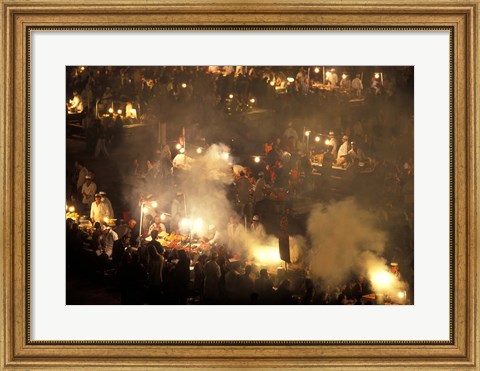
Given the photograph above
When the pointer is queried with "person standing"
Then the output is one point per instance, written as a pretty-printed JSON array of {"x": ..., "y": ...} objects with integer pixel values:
[
  {"x": 212, "y": 280},
  {"x": 243, "y": 188},
  {"x": 81, "y": 173},
  {"x": 257, "y": 228},
  {"x": 182, "y": 277},
  {"x": 108, "y": 240},
  {"x": 157, "y": 225},
  {"x": 235, "y": 234},
  {"x": 357, "y": 86},
  {"x": 332, "y": 141},
  {"x": 89, "y": 190},
  {"x": 343, "y": 150},
  {"x": 178, "y": 207},
  {"x": 259, "y": 194},
  {"x": 98, "y": 210},
  {"x": 107, "y": 203}
]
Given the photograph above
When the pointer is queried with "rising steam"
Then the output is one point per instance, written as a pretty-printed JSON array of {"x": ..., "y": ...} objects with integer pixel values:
[{"x": 343, "y": 236}]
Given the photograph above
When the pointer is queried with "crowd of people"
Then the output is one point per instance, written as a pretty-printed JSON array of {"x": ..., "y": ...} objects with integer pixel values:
[{"x": 377, "y": 133}]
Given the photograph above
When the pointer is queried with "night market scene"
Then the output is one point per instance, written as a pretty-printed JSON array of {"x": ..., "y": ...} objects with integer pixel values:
[{"x": 239, "y": 185}]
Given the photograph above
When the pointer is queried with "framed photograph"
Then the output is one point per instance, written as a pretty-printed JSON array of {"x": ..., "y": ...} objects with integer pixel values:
[{"x": 263, "y": 185}]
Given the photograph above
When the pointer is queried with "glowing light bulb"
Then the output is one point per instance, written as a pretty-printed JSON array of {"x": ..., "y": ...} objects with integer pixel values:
[
  {"x": 178, "y": 146},
  {"x": 71, "y": 209},
  {"x": 381, "y": 279},
  {"x": 317, "y": 139},
  {"x": 163, "y": 217},
  {"x": 328, "y": 73},
  {"x": 145, "y": 209},
  {"x": 377, "y": 75},
  {"x": 317, "y": 70},
  {"x": 198, "y": 225},
  {"x": 252, "y": 100},
  {"x": 154, "y": 204},
  {"x": 307, "y": 133},
  {"x": 199, "y": 150},
  {"x": 327, "y": 142},
  {"x": 257, "y": 159},
  {"x": 184, "y": 85},
  {"x": 272, "y": 83},
  {"x": 119, "y": 111},
  {"x": 110, "y": 110},
  {"x": 230, "y": 96},
  {"x": 344, "y": 76}
]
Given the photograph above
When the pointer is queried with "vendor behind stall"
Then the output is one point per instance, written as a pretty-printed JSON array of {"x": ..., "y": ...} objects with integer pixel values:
[
  {"x": 213, "y": 235},
  {"x": 107, "y": 202},
  {"x": 75, "y": 105},
  {"x": 357, "y": 154},
  {"x": 88, "y": 192},
  {"x": 98, "y": 210},
  {"x": 157, "y": 225}
]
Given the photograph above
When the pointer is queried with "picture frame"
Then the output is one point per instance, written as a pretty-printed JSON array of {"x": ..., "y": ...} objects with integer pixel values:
[{"x": 18, "y": 351}]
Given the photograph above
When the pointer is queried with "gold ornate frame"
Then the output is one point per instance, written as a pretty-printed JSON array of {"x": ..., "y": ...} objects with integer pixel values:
[{"x": 19, "y": 352}]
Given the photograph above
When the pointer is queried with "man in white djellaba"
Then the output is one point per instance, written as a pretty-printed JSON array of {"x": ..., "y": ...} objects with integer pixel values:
[
  {"x": 98, "y": 210},
  {"x": 108, "y": 203},
  {"x": 89, "y": 190},
  {"x": 343, "y": 150},
  {"x": 257, "y": 228}
]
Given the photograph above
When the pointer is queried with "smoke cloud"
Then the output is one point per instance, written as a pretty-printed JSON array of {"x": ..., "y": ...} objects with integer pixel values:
[
  {"x": 206, "y": 186},
  {"x": 345, "y": 240}
]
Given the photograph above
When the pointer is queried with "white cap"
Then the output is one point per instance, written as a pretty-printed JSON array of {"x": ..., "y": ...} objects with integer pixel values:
[
  {"x": 331, "y": 133},
  {"x": 394, "y": 264},
  {"x": 88, "y": 177},
  {"x": 102, "y": 193},
  {"x": 256, "y": 218}
]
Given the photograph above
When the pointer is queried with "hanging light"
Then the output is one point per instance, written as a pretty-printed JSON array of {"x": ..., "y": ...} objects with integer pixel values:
[
  {"x": 257, "y": 159},
  {"x": 110, "y": 110},
  {"x": 252, "y": 100},
  {"x": 230, "y": 96},
  {"x": 199, "y": 150},
  {"x": 316, "y": 70},
  {"x": 317, "y": 139},
  {"x": 307, "y": 133},
  {"x": 377, "y": 75},
  {"x": 119, "y": 111},
  {"x": 184, "y": 85}
]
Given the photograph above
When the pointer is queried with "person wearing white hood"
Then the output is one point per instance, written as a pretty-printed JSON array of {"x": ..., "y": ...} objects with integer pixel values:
[
  {"x": 343, "y": 150},
  {"x": 257, "y": 228},
  {"x": 107, "y": 203}
]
